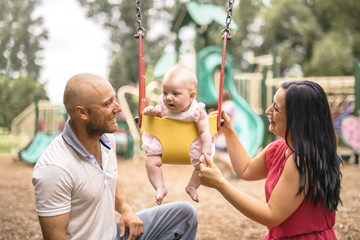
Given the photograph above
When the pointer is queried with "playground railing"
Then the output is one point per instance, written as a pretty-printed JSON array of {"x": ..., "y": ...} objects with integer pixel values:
[
  {"x": 23, "y": 126},
  {"x": 339, "y": 89},
  {"x": 248, "y": 85}
]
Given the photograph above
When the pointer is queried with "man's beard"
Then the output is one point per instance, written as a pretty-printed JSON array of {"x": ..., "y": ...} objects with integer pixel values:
[{"x": 93, "y": 130}]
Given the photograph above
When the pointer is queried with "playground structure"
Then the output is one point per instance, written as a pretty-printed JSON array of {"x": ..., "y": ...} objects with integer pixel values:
[
  {"x": 35, "y": 127},
  {"x": 131, "y": 90}
]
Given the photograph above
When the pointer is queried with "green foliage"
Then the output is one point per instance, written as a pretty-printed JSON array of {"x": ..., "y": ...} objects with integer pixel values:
[
  {"x": 15, "y": 96},
  {"x": 291, "y": 25},
  {"x": 120, "y": 18},
  {"x": 320, "y": 35},
  {"x": 333, "y": 50},
  {"x": 243, "y": 39},
  {"x": 20, "y": 38},
  {"x": 315, "y": 34}
]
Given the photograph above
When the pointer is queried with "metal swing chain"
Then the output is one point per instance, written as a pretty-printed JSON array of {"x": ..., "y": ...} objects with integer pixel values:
[
  {"x": 225, "y": 36},
  {"x": 140, "y": 35},
  {"x": 139, "y": 19},
  {"x": 228, "y": 19}
]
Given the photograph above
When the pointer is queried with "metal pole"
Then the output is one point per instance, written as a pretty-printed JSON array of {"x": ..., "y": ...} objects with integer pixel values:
[{"x": 264, "y": 104}]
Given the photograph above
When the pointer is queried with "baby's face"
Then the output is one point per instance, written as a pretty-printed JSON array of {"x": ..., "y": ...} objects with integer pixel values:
[{"x": 177, "y": 94}]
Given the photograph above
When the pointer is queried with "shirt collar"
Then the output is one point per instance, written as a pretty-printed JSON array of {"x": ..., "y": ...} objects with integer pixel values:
[{"x": 70, "y": 138}]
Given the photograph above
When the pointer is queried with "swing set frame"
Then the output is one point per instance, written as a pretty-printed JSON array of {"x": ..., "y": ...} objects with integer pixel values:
[{"x": 169, "y": 131}]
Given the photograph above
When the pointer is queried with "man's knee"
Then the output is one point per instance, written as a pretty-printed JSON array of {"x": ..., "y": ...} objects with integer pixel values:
[{"x": 186, "y": 209}]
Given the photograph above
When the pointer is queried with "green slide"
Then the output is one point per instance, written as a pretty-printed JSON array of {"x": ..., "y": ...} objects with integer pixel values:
[
  {"x": 249, "y": 125},
  {"x": 38, "y": 145}
]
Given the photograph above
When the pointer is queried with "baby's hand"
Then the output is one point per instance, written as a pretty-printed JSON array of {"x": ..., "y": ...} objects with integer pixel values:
[
  {"x": 151, "y": 111},
  {"x": 203, "y": 160}
]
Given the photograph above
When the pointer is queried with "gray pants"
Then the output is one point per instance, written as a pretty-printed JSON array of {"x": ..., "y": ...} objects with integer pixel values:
[{"x": 177, "y": 220}]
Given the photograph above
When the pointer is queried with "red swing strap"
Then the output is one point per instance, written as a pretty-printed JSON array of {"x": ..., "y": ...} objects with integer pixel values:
[
  {"x": 225, "y": 36},
  {"x": 139, "y": 35}
]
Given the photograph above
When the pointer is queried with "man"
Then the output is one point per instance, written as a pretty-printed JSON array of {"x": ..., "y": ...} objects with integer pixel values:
[{"x": 75, "y": 179}]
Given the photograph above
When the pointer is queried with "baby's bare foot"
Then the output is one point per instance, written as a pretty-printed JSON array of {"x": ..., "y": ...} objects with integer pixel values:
[
  {"x": 160, "y": 194},
  {"x": 192, "y": 193}
]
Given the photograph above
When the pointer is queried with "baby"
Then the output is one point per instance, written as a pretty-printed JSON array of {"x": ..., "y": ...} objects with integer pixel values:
[{"x": 177, "y": 102}]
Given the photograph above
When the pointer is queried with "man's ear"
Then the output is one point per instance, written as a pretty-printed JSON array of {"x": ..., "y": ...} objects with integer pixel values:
[
  {"x": 193, "y": 95},
  {"x": 81, "y": 112}
]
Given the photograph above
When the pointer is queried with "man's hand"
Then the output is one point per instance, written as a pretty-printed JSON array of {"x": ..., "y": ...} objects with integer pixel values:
[
  {"x": 151, "y": 111},
  {"x": 133, "y": 222}
]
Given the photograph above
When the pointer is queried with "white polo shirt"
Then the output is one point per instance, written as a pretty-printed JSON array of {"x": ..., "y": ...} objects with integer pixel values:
[{"x": 68, "y": 179}]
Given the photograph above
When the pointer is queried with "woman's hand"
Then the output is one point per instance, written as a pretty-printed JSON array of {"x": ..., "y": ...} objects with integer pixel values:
[
  {"x": 210, "y": 175},
  {"x": 227, "y": 126}
]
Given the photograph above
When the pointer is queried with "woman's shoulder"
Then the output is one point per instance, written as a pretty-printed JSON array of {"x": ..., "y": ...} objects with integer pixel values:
[
  {"x": 275, "y": 150},
  {"x": 277, "y": 143}
]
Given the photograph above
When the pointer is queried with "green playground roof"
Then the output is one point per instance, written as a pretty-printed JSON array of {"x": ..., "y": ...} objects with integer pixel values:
[
  {"x": 201, "y": 14},
  {"x": 166, "y": 61}
]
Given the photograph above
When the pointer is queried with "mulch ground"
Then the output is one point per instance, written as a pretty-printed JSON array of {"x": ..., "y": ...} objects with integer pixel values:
[{"x": 217, "y": 218}]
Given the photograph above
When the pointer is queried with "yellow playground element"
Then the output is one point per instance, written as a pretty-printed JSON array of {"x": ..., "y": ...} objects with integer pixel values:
[{"x": 175, "y": 136}]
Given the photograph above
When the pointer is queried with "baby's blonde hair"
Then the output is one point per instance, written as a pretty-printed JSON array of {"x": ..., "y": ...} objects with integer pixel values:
[{"x": 183, "y": 73}]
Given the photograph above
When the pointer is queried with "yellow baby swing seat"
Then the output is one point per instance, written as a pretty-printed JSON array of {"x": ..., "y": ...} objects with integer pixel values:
[{"x": 175, "y": 136}]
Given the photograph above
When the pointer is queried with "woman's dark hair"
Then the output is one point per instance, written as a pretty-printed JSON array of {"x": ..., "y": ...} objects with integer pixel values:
[{"x": 310, "y": 127}]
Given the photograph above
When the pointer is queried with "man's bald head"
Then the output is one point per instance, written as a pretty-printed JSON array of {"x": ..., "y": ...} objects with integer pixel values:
[{"x": 80, "y": 89}]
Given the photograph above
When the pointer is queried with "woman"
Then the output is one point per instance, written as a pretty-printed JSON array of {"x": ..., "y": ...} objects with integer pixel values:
[{"x": 302, "y": 169}]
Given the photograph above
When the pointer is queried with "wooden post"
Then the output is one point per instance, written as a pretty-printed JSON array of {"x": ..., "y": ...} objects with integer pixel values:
[
  {"x": 357, "y": 87},
  {"x": 357, "y": 96}
]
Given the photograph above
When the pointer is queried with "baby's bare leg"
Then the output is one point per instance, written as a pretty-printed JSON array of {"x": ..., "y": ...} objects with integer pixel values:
[
  {"x": 153, "y": 167},
  {"x": 193, "y": 184}
]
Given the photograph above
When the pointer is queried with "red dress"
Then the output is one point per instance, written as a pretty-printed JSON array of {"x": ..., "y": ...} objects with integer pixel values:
[{"x": 307, "y": 222}]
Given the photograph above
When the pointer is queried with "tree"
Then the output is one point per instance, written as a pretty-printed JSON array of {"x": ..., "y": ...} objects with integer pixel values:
[
  {"x": 299, "y": 28},
  {"x": 340, "y": 23},
  {"x": 332, "y": 50},
  {"x": 317, "y": 34},
  {"x": 293, "y": 28},
  {"x": 120, "y": 18},
  {"x": 245, "y": 15},
  {"x": 15, "y": 96},
  {"x": 20, "y": 38},
  {"x": 21, "y": 35}
]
